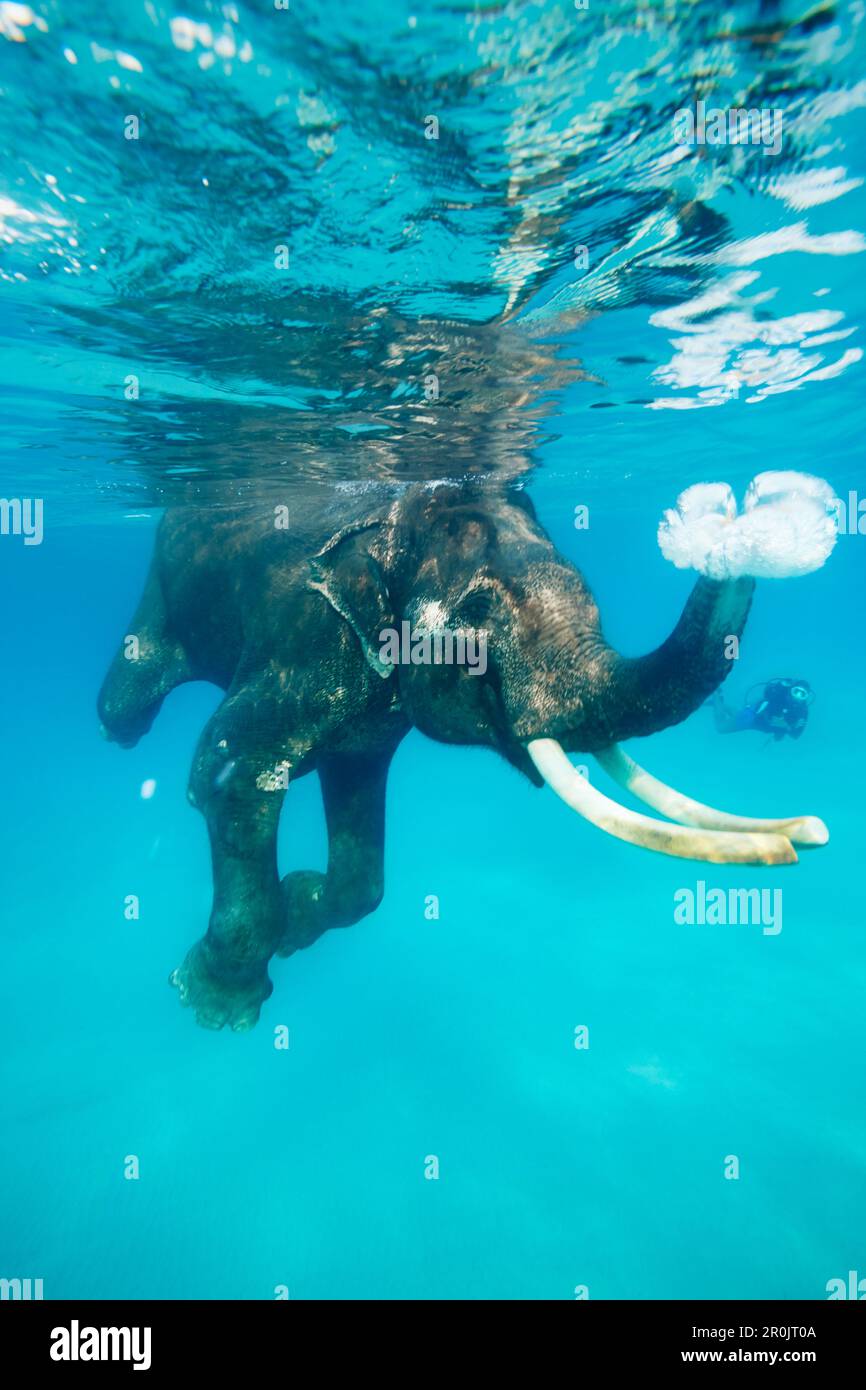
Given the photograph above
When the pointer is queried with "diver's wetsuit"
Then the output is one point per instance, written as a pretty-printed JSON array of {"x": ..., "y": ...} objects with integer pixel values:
[{"x": 778, "y": 711}]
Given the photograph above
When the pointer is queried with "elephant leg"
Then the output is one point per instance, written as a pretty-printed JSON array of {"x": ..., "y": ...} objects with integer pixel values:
[
  {"x": 353, "y": 792},
  {"x": 149, "y": 665},
  {"x": 237, "y": 784}
]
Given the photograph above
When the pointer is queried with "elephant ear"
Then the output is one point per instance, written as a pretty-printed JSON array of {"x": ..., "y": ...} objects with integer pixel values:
[{"x": 352, "y": 581}]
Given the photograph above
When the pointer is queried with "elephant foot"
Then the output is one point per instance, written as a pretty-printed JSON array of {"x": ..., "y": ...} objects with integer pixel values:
[
  {"x": 221, "y": 992},
  {"x": 302, "y": 893}
]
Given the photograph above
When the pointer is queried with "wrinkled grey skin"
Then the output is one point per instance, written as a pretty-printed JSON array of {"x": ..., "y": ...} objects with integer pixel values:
[{"x": 287, "y": 623}]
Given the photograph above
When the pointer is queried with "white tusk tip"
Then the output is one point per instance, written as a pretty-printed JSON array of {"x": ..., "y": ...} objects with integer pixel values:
[
  {"x": 734, "y": 847},
  {"x": 809, "y": 832}
]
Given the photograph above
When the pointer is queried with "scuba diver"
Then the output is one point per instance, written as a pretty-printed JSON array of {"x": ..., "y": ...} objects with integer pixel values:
[{"x": 781, "y": 707}]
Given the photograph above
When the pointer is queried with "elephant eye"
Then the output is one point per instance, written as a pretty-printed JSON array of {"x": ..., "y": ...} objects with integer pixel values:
[{"x": 476, "y": 607}]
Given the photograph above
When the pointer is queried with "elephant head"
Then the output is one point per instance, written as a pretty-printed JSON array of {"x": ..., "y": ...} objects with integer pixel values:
[{"x": 471, "y": 560}]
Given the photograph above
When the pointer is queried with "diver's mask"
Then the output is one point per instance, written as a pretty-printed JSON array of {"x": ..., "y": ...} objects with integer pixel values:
[{"x": 801, "y": 693}]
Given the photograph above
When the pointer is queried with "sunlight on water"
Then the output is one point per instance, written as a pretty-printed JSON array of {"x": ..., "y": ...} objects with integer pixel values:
[{"x": 267, "y": 244}]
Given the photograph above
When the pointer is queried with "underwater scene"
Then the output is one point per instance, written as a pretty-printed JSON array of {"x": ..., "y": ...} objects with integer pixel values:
[{"x": 432, "y": 556}]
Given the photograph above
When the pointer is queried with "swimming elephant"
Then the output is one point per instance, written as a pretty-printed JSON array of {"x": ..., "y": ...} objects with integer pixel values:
[{"x": 302, "y": 620}]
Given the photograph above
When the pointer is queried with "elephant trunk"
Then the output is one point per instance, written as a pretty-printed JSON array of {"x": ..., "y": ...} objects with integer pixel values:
[
  {"x": 633, "y": 696},
  {"x": 640, "y": 696}
]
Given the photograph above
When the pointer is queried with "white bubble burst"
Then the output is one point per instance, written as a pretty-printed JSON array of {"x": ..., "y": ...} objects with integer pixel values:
[{"x": 787, "y": 527}]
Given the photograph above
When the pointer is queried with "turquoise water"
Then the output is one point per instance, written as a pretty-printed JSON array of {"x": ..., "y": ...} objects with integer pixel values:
[{"x": 715, "y": 333}]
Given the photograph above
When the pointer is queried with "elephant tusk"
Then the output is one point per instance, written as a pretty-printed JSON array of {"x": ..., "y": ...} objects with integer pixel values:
[
  {"x": 682, "y": 842},
  {"x": 807, "y": 831}
]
